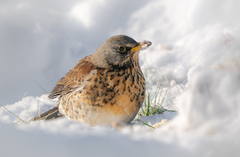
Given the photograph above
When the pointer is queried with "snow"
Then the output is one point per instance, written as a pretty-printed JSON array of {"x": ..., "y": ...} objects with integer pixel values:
[{"x": 194, "y": 61}]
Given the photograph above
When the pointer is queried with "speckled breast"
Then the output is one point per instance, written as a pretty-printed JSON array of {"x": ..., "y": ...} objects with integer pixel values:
[{"x": 106, "y": 97}]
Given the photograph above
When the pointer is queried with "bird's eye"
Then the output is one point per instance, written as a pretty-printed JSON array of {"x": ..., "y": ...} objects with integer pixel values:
[{"x": 121, "y": 49}]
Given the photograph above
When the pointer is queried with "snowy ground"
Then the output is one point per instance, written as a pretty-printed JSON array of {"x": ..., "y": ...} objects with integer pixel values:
[{"x": 195, "y": 57}]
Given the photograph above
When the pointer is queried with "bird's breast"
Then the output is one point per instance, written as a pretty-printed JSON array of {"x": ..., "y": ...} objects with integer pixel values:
[{"x": 106, "y": 96}]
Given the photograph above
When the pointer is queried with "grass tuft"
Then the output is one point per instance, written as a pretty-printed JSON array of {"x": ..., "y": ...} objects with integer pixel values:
[{"x": 154, "y": 104}]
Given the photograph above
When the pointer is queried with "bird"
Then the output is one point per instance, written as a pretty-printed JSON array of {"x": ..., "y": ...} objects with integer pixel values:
[{"x": 106, "y": 87}]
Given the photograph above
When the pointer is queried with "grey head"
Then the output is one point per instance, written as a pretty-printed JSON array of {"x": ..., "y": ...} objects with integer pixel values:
[{"x": 117, "y": 51}]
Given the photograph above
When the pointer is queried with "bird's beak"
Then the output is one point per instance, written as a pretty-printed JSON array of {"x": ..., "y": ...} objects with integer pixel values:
[{"x": 142, "y": 46}]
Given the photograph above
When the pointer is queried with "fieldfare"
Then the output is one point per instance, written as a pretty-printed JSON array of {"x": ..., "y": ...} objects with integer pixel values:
[{"x": 107, "y": 87}]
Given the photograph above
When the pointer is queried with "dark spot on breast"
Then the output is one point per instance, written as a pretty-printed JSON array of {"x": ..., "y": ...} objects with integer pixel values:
[
  {"x": 110, "y": 90},
  {"x": 111, "y": 70},
  {"x": 137, "y": 97},
  {"x": 112, "y": 77},
  {"x": 131, "y": 99},
  {"x": 121, "y": 72},
  {"x": 111, "y": 96},
  {"x": 95, "y": 85},
  {"x": 137, "y": 78},
  {"x": 131, "y": 84},
  {"x": 117, "y": 83},
  {"x": 105, "y": 100},
  {"x": 126, "y": 77},
  {"x": 124, "y": 88},
  {"x": 106, "y": 74},
  {"x": 105, "y": 93},
  {"x": 101, "y": 73},
  {"x": 113, "y": 101},
  {"x": 129, "y": 89},
  {"x": 106, "y": 84},
  {"x": 139, "y": 90},
  {"x": 98, "y": 94},
  {"x": 96, "y": 79},
  {"x": 97, "y": 104},
  {"x": 100, "y": 80},
  {"x": 131, "y": 79}
]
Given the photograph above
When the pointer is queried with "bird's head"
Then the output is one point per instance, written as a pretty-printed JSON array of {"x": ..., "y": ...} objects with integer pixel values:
[{"x": 118, "y": 51}]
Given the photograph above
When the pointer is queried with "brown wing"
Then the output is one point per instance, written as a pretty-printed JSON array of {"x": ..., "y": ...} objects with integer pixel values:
[{"x": 73, "y": 79}]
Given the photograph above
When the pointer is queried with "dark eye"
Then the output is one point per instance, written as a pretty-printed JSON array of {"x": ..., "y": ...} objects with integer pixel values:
[{"x": 121, "y": 49}]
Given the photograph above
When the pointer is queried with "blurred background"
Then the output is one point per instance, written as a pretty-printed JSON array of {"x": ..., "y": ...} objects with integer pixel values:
[{"x": 40, "y": 40}]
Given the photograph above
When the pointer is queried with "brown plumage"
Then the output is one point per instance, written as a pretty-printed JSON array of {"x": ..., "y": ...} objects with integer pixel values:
[{"x": 103, "y": 88}]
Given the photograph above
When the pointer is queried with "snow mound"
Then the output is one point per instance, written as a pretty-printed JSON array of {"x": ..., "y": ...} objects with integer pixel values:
[
  {"x": 207, "y": 122},
  {"x": 26, "y": 109}
]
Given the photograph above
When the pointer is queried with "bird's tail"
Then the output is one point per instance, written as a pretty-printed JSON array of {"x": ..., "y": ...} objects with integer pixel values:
[{"x": 49, "y": 115}]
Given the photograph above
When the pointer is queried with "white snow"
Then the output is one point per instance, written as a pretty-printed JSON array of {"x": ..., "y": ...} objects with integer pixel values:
[{"x": 194, "y": 61}]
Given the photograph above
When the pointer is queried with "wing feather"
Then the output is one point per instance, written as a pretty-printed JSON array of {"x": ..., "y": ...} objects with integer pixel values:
[{"x": 73, "y": 79}]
